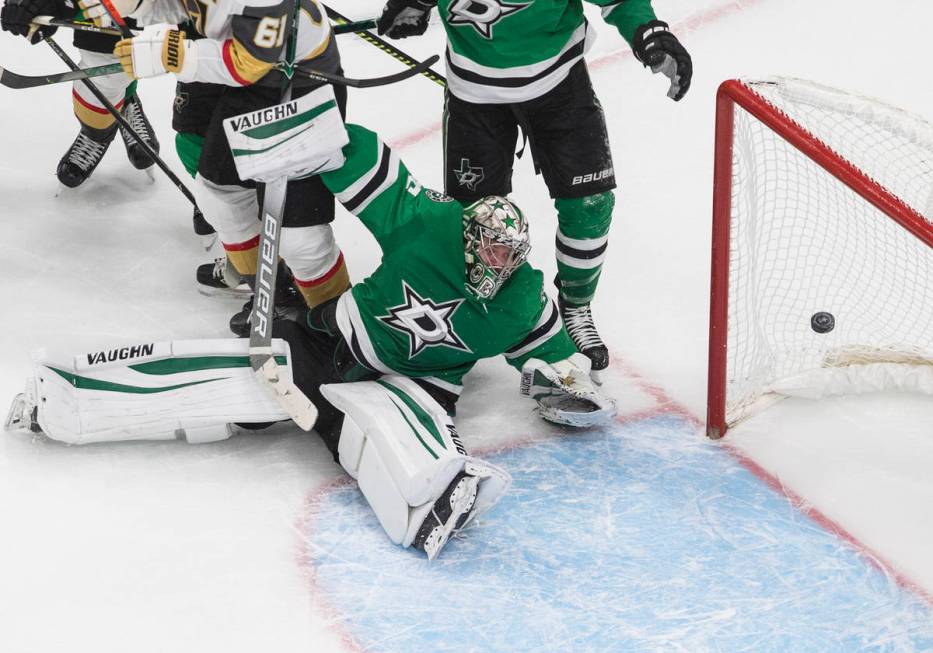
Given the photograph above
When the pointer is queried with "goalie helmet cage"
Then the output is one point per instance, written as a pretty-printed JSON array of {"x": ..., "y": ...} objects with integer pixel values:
[{"x": 819, "y": 200}]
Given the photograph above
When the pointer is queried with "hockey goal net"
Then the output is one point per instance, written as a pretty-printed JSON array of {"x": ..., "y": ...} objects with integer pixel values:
[{"x": 822, "y": 261}]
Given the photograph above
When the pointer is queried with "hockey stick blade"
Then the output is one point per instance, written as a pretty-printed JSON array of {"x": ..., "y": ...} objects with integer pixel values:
[
  {"x": 370, "y": 82},
  {"x": 14, "y": 80},
  {"x": 287, "y": 394}
]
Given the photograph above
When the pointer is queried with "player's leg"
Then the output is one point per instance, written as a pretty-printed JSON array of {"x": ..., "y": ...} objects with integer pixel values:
[
  {"x": 479, "y": 148},
  {"x": 191, "y": 114},
  {"x": 308, "y": 246},
  {"x": 571, "y": 145},
  {"x": 98, "y": 127},
  {"x": 403, "y": 450}
]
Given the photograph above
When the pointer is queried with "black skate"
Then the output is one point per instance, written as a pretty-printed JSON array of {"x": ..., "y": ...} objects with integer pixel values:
[
  {"x": 450, "y": 513},
  {"x": 221, "y": 278},
  {"x": 133, "y": 112},
  {"x": 289, "y": 304},
  {"x": 582, "y": 330},
  {"x": 84, "y": 155}
]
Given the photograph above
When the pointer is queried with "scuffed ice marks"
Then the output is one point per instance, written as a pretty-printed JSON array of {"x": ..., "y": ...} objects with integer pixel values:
[{"x": 642, "y": 538}]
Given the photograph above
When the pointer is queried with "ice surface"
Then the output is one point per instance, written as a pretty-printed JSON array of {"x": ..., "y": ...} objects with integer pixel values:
[{"x": 166, "y": 546}]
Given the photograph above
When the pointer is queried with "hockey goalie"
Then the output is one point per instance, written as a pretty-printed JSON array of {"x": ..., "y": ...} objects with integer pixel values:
[{"x": 383, "y": 363}]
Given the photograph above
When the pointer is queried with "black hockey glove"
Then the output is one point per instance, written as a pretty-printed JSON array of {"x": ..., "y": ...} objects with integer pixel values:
[
  {"x": 403, "y": 18},
  {"x": 16, "y": 16},
  {"x": 656, "y": 47}
]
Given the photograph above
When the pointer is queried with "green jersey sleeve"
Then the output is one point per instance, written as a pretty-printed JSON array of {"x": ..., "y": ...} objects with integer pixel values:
[
  {"x": 374, "y": 185},
  {"x": 626, "y": 15},
  {"x": 548, "y": 340}
]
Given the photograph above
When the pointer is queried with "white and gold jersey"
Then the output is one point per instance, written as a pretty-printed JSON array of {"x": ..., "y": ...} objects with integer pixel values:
[{"x": 241, "y": 42}]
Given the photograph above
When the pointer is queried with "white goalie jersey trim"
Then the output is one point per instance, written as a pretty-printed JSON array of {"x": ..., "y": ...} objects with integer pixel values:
[{"x": 184, "y": 389}]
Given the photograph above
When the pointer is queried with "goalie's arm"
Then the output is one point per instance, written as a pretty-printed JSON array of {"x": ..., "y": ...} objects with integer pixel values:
[
  {"x": 548, "y": 340},
  {"x": 374, "y": 184}
]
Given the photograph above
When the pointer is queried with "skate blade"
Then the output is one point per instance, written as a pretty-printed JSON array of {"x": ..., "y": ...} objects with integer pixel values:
[
  {"x": 597, "y": 376},
  {"x": 242, "y": 292},
  {"x": 150, "y": 174}
]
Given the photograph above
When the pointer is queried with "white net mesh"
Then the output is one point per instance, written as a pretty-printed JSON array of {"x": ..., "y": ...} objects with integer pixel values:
[{"x": 802, "y": 242}]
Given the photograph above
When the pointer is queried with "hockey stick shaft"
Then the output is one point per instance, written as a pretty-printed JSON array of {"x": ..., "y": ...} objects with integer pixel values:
[
  {"x": 115, "y": 16},
  {"x": 84, "y": 26},
  {"x": 370, "y": 82},
  {"x": 385, "y": 46},
  {"x": 112, "y": 110},
  {"x": 13, "y": 80},
  {"x": 77, "y": 25}
]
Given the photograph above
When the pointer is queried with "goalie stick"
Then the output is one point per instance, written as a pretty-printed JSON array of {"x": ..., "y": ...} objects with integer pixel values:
[
  {"x": 16, "y": 81},
  {"x": 261, "y": 358}
]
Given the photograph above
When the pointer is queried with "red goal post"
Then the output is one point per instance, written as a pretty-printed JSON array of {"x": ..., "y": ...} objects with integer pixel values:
[{"x": 773, "y": 104}]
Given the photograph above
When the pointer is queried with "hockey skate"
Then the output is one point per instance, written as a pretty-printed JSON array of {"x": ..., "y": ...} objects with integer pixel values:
[
  {"x": 133, "y": 112},
  {"x": 450, "y": 513},
  {"x": 582, "y": 330},
  {"x": 221, "y": 278},
  {"x": 84, "y": 155},
  {"x": 289, "y": 304}
]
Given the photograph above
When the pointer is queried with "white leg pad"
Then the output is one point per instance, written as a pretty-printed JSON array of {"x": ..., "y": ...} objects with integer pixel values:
[
  {"x": 184, "y": 389},
  {"x": 403, "y": 450}
]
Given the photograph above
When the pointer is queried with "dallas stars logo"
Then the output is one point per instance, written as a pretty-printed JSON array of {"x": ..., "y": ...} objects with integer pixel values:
[
  {"x": 425, "y": 323},
  {"x": 469, "y": 175},
  {"x": 481, "y": 14}
]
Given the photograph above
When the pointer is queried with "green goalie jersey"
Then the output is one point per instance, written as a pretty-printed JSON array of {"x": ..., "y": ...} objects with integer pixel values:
[
  {"x": 502, "y": 52},
  {"x": 413, "y": 316}
]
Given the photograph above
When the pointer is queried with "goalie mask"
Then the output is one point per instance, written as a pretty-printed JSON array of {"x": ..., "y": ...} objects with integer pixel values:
[{"x": 496, "y": 243}]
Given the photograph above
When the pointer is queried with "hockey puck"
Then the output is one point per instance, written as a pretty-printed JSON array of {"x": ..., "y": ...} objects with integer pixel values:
[{"x": 822, "y": 322}]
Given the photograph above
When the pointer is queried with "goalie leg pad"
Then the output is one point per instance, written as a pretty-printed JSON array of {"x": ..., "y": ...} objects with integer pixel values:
[
  {"x": 191, "y": 389},
  {"x": 403, "y": 450}
]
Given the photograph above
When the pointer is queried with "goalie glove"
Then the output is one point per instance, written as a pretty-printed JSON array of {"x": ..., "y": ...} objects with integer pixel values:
[
  {"x": 403, "y": 18},
  {"x": 157, "y": 50},
  {"x": 565, "y": 392},
  {"x": 655, "y": 46},
  {"x": 95, "y": 10}
]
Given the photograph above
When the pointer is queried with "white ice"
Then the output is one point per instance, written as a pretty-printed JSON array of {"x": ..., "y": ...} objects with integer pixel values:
[{"x": 166, "y": 546}]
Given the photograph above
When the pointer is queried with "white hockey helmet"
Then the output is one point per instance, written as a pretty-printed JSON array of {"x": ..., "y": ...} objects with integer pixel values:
[{"x": 496, "y": 243}]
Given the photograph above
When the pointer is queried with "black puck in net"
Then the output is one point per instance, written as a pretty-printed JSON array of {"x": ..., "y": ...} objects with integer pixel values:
[{"x": 822, "y": 322}]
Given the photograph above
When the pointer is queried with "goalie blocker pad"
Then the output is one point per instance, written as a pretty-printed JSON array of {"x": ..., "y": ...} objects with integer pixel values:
[
  {"x": 403, "y": 450},
  {"x": 184, "y": 389}
]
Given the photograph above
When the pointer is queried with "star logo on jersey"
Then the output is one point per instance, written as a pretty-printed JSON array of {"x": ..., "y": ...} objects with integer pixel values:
[
  {"x": 426, "y": 323},
  {"x": 469, "y": 175},
  {"x": 481, "y": 14}
]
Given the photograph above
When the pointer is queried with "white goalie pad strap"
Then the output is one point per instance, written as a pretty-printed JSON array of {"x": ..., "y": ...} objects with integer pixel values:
[
  {"x": 153, "y": 391},
  {"x": 293, "y": 139},
  {"x": 403, "y": 450},
  {"x": 857, "y": 379},
  {"x": 565, "y": 392}
]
